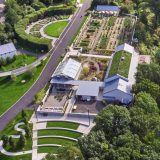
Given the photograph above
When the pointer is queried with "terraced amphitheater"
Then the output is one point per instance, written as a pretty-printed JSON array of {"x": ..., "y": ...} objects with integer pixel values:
[{"x": 52, "y": 135}]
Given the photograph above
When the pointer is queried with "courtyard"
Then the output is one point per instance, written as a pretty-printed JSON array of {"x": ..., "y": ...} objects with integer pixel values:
[{"x": 83, "y": 107}]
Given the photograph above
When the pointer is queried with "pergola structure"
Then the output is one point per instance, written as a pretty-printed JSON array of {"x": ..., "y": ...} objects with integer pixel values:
[{"x": 108, "y": 10}]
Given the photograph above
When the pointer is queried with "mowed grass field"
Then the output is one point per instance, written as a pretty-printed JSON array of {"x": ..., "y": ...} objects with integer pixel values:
[
  {"x": 55, "y": 29},
  {"x": 11, "y": 91},
  {"x": 59, "y": 141},
  {"x": 48, "y": 149},
  {"x": 20, "y": 61}
]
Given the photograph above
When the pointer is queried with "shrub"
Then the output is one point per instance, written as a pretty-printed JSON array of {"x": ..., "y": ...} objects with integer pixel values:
[
  {"x": 86, "y": 71},
  {"x": 36, "y": 43},
  {"x": 13, "y": 77}
]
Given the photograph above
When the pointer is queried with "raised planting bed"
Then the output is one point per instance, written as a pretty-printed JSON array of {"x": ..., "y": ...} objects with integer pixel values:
[
  {"x": 103, "y": 42},
  {"x": 121, "y": 64},
  {"x": 59, "y": 141},
  {"x": 63, "y": 124},
  {"x": 56, "y": 28},
  {"x": 49, "y": 149},
  {"x": 56, "y": 132},
  {"x": 111, "y": 21}
]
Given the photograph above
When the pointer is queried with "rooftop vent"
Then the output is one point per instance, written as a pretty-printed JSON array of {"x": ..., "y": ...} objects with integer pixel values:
[{"x": 122, "y": 58}]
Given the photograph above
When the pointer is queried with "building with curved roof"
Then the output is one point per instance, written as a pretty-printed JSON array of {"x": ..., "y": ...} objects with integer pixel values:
[{"x": 68, "y": 69}]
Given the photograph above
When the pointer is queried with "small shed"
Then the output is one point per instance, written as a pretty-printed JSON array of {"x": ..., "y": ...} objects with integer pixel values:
[
  {"x": 7, "y": 50},
  {"x": 108, "y": 9}
]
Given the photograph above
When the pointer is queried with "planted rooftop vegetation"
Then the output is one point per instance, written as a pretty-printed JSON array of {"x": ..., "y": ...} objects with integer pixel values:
[{"x": 121, "y": 64}]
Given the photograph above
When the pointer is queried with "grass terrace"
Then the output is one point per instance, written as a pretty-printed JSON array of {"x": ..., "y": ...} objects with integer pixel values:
[
  {"x": 55, "y": 29},
  {"x": 121, "y": 64},
  {"x": 59, "y": 141},
  {"x": 62, "y": 124},
  {"x": 48, "y": 149},
  {"x": 56, "y": 132}
]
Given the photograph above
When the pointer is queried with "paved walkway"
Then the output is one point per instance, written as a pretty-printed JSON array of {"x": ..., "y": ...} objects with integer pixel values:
[
  {"x": 96, "y": 56},
  {"x": 16, "y": 127},
  {"x": 34, "y": 140},
  {"x": 45, "y": 35},
  {"x": 133, "y": 68},
  {"x": 3, "y": 151}
]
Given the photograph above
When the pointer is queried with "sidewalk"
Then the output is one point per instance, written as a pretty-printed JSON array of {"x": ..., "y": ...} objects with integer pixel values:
[{"x": 3, "y": 151}]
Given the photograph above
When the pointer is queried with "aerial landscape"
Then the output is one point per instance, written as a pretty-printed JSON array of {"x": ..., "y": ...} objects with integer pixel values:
[{"x": 79, "y": 80}]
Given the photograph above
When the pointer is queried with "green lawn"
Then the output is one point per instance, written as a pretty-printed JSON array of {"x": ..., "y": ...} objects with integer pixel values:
[
  {"x": 20, "y": 61},
  {"x": 120, "y": 66},
  {"x": 23, "y": 157},
  {"x": 56, "y": 141},
  {"x": 50, "y": 132},
  {"x": 11, "y": 91},
  {"x": 47, "y": 150},
  {"x": 63, "y": 124},
  {"x": 55, "y": 29}
]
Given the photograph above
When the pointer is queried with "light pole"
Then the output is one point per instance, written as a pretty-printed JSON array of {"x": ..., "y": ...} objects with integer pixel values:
[
  {"x": 35, "y": 112},
  {"x": 88, "y": 117}
]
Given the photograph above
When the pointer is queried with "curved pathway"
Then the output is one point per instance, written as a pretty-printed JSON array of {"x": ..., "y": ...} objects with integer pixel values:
[
  {"x": 16, "y": 127},
  {"x": 22, "y": 70},
  {"x": 3, "y": 151}
]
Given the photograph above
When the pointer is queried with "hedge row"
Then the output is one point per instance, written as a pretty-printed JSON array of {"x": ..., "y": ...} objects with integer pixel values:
[{"x": 36, "y": 43}]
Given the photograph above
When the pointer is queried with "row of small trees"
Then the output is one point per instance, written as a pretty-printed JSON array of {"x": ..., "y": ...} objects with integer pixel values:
[{"x": 6, "y": 61}]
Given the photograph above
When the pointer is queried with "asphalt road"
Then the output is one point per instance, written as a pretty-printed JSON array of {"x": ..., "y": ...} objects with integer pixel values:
[
  {"x": 1, "y": 1},
  {"x": 50, "y": 67}
]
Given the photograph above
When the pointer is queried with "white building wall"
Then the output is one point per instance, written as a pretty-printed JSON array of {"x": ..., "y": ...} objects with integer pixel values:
[
  {"x": 9, "y": 54},
  {"x": 119, "y": 95}
]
